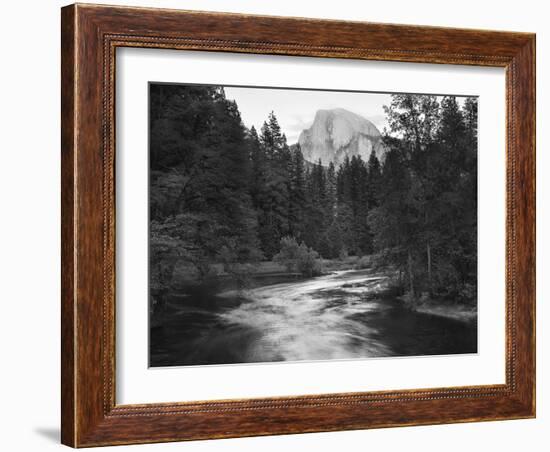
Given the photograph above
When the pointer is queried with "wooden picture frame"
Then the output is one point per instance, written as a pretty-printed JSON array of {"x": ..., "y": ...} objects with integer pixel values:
[{"x": 90, "y": 36}]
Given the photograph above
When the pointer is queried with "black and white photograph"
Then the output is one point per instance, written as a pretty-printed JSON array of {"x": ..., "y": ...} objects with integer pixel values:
[
  {"x": 275, "y": 226},
  {"x": 290, "y": 225}
]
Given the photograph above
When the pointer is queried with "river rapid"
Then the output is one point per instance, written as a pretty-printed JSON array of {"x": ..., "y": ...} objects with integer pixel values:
[{"x": 343, "y": 315}]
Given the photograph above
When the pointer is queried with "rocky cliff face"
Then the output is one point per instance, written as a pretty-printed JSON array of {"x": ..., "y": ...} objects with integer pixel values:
[{"x": 338, "y": 133}]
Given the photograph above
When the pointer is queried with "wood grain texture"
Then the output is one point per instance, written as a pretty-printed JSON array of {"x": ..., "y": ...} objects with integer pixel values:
[
  {"x": 90, "y": 36},
  {"x": 68, "y": 147}
]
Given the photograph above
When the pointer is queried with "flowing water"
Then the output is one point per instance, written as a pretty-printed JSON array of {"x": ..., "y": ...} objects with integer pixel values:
[{"x": 344, "y": 315}]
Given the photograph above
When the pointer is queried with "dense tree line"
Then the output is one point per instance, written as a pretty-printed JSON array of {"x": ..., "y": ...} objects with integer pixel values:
[
  {"x": 426, "y": 222},
  {"x": 223, "y": 194}
]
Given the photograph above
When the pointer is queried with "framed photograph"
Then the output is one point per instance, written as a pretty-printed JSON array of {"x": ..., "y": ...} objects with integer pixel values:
[{"x": 280, "y": 225}]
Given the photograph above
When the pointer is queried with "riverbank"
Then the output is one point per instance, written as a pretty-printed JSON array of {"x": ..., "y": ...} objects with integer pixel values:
[
  {"x": 221, "y": 289},
  {"x": 221, "y": 292},
  {"x": 460, "y": 313},
  {"x": 441, "y": 308},
  {"x": 265, "y": 272}
]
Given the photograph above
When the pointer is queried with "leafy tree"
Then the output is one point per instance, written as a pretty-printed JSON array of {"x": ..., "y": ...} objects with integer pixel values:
[
  {"x": 223, "y": 194},
  {"x": 288, "y": 255},
  {"x": 425, "y": 223},
  {"x": 199, "y": 159},
  {"x": 299, "y": 258}
]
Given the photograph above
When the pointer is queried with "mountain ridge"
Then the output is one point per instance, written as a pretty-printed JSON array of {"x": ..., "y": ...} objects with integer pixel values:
[{"x": 338, "y": 133}]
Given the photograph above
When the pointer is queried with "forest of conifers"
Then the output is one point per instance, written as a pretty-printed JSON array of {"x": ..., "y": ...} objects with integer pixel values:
[{"x": 223, "y": 194}]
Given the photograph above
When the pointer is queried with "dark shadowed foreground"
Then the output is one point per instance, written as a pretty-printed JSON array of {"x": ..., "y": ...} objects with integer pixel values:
[{"x": 344, "y": 315}]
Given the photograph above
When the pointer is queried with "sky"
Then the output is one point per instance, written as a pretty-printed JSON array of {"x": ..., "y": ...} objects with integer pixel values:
[{"x": 295, "y": 109}]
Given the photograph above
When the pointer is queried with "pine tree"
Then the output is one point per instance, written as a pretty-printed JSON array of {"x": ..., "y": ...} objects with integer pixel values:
[
  {"x": 199, "y": 159},
  {"x": 223, "y": 194},
  {"x": 451, "y": 133},
  {"x": 275, "y": 207},
  {"x": 316, "y": 201},
  {"x": 470, "y": 115},
  {"x": 425, "y": 221},
  {"x": 331, "y": 193},
  {"x": 297, "y": 194},
  {"x": 470, "y": 122},
  {"x": 374, "y": 181}
]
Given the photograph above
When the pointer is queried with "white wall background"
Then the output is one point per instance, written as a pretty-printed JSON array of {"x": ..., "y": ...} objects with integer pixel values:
[{"x": 29, "y": 229}]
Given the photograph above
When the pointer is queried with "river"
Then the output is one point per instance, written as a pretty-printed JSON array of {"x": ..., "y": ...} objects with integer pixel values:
[{"x": 343, "y": 315}]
